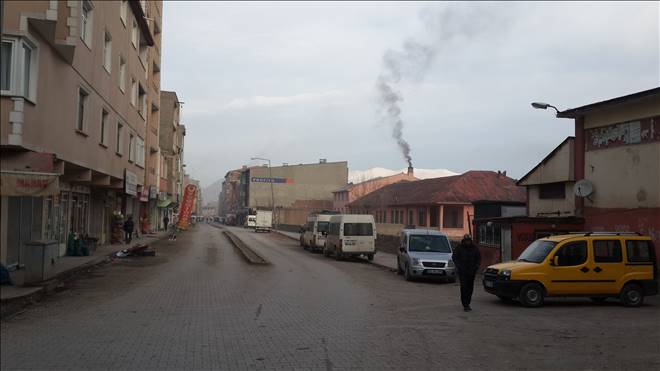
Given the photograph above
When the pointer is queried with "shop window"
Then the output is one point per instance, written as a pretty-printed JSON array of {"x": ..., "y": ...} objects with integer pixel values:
[
  {"x": 452, "y": 217},
  {"x": 552, "y": 191}
]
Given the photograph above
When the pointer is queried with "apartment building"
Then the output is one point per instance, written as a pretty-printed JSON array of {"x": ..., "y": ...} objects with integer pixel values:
[
  {"x": 77, "y": 94},
  {"x": 171, "y": 137}
]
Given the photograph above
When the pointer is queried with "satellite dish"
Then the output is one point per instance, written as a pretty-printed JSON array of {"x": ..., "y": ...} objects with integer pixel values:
[{"x": 584, "y": 188}]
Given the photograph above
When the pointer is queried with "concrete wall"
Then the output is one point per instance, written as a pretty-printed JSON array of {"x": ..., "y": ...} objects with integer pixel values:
[
  {"x": 538, "y": 206},
  {"x": 306, "y": 182}
]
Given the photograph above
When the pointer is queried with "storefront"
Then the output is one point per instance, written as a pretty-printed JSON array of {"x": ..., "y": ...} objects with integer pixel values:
[{"x": 67, "y": 213}]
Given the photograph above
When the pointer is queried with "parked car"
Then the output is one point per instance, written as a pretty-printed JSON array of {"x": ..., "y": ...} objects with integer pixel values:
[
  {"x": 425, "y": 253},
  {"x": 250, "y": 221},
  {"x": 351, "y": 235},
  {"x": 598, "y": 265},
  {"x": 314, "y": 233}
]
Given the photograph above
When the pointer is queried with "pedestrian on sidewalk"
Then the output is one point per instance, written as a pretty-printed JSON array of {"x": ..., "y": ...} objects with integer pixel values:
[
  {"x": 166, "y": 221},
  {"x": 129, "y": 225},
  {"x": 467, "y": 260}
]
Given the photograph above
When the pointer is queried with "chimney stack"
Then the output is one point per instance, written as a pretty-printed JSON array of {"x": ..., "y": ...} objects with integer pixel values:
[{"x": 411, "y": 171}]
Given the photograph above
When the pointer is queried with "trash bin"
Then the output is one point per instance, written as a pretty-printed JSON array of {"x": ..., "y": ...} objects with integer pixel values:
[{"x": 40, "y": 257}]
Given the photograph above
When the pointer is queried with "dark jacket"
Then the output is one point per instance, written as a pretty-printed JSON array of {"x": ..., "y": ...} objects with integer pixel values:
[
  {"x": 128, "y": 226},
  {"x": 467, "y": 258}
]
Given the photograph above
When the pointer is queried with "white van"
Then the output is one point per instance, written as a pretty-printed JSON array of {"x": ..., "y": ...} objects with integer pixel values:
[
  {"x": 314, "y": 232},
  {"x": 351, "y": 235},
  {"x": 250, "y": 221}
]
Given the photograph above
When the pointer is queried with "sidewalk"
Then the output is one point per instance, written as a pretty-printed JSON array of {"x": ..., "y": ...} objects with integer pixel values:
[
  {"x": 381, "y": 259},
  {"x": 67, "y": 266}
]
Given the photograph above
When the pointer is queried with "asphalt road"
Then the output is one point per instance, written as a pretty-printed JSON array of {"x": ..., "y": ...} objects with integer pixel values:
[{"x": 199, "y": 305}]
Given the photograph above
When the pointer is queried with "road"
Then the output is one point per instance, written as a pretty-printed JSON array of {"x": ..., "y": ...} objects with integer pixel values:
[{"x": 198, "y": 305}]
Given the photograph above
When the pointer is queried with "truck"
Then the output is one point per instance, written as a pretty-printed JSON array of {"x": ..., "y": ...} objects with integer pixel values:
[{"x": 264, "y": 221}]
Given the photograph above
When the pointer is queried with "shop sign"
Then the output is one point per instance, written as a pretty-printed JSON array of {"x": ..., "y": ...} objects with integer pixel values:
[
  {"x": 185, "y": 211},
  {"x": 626, "y": 133},
  {"x": 272, "y": 180},
  {"x": 153, "y": 192},
  {"x": 144, "y": 197},
  {"x": 24, "y": 183},
  {"x": 130, "y": 183}
]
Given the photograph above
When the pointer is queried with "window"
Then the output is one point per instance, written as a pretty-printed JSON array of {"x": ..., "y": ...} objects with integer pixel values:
[
  {"x": 107, "y": 52},
  {"x": 86, "y": 22},
  {"x": 410, "y": 218},
  {"x": 639, "y": 251},
  {"x": 120, "y": 136},
  {"x": 139, "y": 151},
  {"x": 393, "y": 217},
  {"x": 452, "y": 217},
  {"x": 122, "y": 74},
  {"x": 142, "y": 101},
  {"x": 358, "y": 229},
  {"x": 18, "y": 67},
  {"x": 104, "y": 127},
  {"x": 123, "y": 11},
  {"x": 135, "y": 35},
  {"x": 401, "y": 220},
  {"x": 607, "y": 251},
  {"x": 421, "y": 215},
  {"x": 573, "y": 253},
  {"x": 82, "y": 104},
  {"x": 131, "y": 147},
  {"x": 552, "y": 191},
  {"x": 490, "y": 234},
  {"x": 134, "y": 92}
]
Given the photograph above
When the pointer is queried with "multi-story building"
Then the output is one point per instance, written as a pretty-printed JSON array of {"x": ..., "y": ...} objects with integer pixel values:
[
  {"x": 228, "y": 203},
  {"x": 74, "y": 118},
  {"x": 171, "y": 135}
]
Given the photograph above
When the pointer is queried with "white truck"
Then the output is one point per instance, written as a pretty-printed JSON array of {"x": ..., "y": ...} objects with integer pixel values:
[{"x": 264, "y": 221}]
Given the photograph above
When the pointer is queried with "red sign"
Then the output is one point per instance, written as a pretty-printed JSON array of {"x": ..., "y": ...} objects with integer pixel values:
[{"x": 189, "y": 196}]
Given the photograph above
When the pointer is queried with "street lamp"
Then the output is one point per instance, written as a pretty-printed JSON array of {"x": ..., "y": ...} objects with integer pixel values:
[
  {"x": 541, "y": 105},
  {"x": 270, "y": 174}
]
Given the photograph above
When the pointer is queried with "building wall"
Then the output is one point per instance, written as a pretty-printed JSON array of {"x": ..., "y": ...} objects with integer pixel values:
[
  {"x": 361, "y": 189},
  {"x": 559, "y": 168},
  {"x": 545, "y": 207}
]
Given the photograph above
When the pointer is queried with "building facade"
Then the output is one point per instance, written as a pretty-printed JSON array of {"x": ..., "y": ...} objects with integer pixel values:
[
  {"x": 445, "y": 204},
  {"x": 293, "y": 191},
  {"x": 74, "y": 110},
  {"x": 171, "y": 136},
  {"x": 352, "y": 192}
]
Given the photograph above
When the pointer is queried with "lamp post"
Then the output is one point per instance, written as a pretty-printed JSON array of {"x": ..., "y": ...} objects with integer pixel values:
[
  {"x": 272, "y": 193},
  {"x": 541, "y": 105}
]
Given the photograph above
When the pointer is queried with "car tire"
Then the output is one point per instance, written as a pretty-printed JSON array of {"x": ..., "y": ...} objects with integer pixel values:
[
  {"x": 632, "y": 295},
  {"x": 399, "y": 271},
  {"x": 531, "y": 295},
  {"x": 598, "y": 299},
  {"x": 406, "y": 273}
]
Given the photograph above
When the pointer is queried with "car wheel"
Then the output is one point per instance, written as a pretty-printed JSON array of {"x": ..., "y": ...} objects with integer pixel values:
[
  {"x": 398, "y": 266},
  {"x": 598, "y": 299},
  {"x": 370, "y": 257},
  {"x": 406, "y": 273},
  {"x": 531, "y": 295},
  {"x": 632, "y": 295}
]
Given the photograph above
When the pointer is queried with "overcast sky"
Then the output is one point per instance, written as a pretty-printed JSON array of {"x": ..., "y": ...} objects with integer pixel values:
[{"x": 295, "y": 82}]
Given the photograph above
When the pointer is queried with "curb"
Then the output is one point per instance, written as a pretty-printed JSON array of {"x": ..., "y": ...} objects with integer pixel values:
[
  {"x": 284, "y": 234},
  {"x": 248, "y": 254},
  {"x": 383, "y": 266}
]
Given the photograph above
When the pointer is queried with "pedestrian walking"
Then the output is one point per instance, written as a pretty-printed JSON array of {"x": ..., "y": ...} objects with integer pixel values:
[
  {"x": 166, "y": 221},
  {"x": 128, "y": 230},
  {"x": 467, "y": 260}
]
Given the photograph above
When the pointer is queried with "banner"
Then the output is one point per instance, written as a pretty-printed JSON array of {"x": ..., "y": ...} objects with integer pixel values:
[
  {"x": 185, "y": 211},
  {"x": 23, "y": 183},
  {"x": 130, "y": 183}
]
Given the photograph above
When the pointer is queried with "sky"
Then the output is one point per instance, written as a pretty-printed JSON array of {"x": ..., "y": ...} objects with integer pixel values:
[{"x": 295, "y": 82}]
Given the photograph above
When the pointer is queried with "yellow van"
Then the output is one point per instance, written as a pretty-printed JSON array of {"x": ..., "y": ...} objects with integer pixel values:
[{"x": 592, "y": 264}]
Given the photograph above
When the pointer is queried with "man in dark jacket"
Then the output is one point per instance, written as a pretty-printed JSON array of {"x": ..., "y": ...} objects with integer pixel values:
[
  {"x": 128, "y": 230},
  {"x": 467, "y": 260},
  {"x": 166, "y": 222}
]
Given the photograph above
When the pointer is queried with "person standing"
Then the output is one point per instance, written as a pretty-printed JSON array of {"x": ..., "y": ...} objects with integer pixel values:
[
  {"x": 129, "y": 225},
  {"x": 467, "y": 260},
  {"x": 166, "y": 221}
]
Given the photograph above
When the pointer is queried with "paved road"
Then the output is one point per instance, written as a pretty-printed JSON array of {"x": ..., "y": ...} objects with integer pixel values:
[{"x": 198, "y": 305}]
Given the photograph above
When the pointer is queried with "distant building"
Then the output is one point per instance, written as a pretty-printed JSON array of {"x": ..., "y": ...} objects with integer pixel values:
[
  {"x": 171, "y": 140},
  {"x": 352, "y": 192},
  {"x": 445, "y": 204},
  {"x": 293, "y": 190}
]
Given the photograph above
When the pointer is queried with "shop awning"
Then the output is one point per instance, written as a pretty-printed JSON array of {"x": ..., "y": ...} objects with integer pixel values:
[
  {"x": 164, "y": 203},
  {"x": 26, "y": 183}
]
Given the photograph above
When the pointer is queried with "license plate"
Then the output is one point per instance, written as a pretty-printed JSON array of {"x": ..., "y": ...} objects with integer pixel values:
[
  {"x": 488, "y": 283},
  {"x": 435, "y": 271}
]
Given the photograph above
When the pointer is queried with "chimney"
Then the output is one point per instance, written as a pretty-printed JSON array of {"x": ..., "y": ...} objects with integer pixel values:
[{"x": 411, "y": 171}]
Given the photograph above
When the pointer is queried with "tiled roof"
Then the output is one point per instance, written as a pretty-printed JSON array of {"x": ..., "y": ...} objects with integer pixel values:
[{"x": 465, "y": 188}]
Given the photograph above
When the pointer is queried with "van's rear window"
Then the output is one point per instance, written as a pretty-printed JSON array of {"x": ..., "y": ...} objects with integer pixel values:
[
  {"x": 639, "y": 251},
  {"x": 358, "y": 229}
]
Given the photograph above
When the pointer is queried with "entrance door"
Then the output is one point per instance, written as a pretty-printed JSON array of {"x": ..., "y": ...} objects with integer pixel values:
[{"x": 505, "y": 243}]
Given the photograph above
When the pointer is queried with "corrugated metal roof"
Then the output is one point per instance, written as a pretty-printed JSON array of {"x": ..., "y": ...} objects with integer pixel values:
[{"x": 465, "y": 188}]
